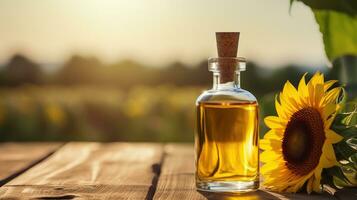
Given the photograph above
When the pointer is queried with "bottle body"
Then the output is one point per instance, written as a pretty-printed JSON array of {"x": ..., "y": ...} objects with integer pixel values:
[{"x": 226, "y": 139}]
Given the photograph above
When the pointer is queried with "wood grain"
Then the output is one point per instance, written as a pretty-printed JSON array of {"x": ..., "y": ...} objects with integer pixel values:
[
  {"x": 90, "y": 171},
  {"x": 177, "y": 180},
  {"x": 114, "y": 171},
  {"x": 16, "y": 158}
]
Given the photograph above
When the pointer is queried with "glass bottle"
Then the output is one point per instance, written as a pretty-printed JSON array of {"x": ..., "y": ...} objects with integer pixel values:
[{"x": 226, "y": 136}]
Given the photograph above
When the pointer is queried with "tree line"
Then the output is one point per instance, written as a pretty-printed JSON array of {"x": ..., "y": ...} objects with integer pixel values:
[{"x": 80, "y": 70}]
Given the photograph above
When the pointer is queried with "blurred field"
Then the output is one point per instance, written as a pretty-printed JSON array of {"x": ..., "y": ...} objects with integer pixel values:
[
  {"x": 163, "y": 113},
  {"x": 95, "y": 113},
  {"x": 89, "y": 100}
]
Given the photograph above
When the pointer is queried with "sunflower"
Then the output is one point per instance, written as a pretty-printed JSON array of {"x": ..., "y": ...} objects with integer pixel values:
[{"x": 299, "y": 143}]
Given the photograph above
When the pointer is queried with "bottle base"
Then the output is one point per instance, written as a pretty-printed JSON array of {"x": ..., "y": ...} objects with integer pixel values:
[{"x": 227, "y": 186}]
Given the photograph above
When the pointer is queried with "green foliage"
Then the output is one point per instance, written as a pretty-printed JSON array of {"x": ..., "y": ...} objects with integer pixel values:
[
  {"x": 337, "y": 176},
  {"x": 339, "y": 32},
  {"x": 345, "y": 6},
  {"x": 345, "y": 124},
  {"x": 338, "y": 24}
]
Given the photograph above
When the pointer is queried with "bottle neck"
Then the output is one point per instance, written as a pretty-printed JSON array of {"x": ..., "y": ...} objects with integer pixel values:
[{"x": 218, "y": 84}]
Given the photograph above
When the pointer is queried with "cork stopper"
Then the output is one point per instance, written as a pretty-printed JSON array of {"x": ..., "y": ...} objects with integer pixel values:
[{"x": 227, "y": 46}]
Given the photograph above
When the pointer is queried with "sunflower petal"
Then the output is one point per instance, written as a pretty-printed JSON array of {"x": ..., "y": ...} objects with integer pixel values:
[
  {"x": 328, "y": 122},
  {"x": 279, "y": 109},
  {"x": 311, "y": 94},
  {"x": 301, "y": 182},
  {"x": 289, "y": 90},
  {"x": 293, "y": 183},
  {"x": 269, "y": 156},
  {"x": 316, "y": 185},
  {"x": 317, "y": 78},
  {"x": 273, "y": 134},
  {"x": 268, "y": 144},
  {"x": 325, "y": 162},
  {"x": 328, "y": 84},
  {"x": 319, "y": 94},
  {"x": 309, "y": 185},
  {"x": 274, "y": 122},
  {"x": 303, "y": 91},
  {"x": 302, "y": 83},
  {"x": 295, "y": 104},
  {"x": 328, "y": 110},
  {"x": 332, "y": 95},
  {"x": 332, "y": 136},
  {"x": 329, "y": 153},
  {"x": 315, "y": 89},
  {"x": 268, "y": 167},
  {"x": 288, "y": 105}
]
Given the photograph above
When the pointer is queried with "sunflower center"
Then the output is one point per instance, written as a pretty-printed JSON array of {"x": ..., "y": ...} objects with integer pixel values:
[{"x": 303, "y": 139}]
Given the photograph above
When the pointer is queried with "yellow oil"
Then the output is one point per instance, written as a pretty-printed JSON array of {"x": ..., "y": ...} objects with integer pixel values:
[{"x": 226, "y": 141}]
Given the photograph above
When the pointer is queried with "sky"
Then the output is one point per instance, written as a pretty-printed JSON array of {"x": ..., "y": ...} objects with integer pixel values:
[{"x": 157, "y": 32}]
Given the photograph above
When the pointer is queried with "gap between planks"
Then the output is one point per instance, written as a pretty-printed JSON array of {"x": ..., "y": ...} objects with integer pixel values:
[
  {"x": 92, "y": 171},
  {"x": 17, "y": 158},
  {"x": 172, "y": 178}
]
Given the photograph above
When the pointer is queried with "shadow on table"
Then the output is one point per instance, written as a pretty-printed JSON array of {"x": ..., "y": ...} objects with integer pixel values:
[
  {"x": 346, "y": 193},
  {"x": 246, "y": 196}
]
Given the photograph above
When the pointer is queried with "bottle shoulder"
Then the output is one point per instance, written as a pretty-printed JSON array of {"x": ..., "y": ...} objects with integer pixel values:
[{"x": 233, "y": 95}]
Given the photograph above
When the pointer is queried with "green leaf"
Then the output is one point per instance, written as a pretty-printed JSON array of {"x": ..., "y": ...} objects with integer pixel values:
[
  {"x": 345, "y": 6},
  {"x": 337, "y": 172},
  {"x": 339, "y": 31},
  {"x": 338, "y": 24},
  {"x": 327, "y": 179},
  {"x": 353, "y": 161},
  {"x": 346, "y": 132},
  {"x": 343, "y": 151},
  {"x": 350, "y": 112},
  {"x": 345, "y": 125}
]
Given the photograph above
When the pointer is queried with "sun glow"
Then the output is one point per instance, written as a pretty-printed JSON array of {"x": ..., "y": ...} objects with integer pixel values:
[{"x": 157, "y": 32}]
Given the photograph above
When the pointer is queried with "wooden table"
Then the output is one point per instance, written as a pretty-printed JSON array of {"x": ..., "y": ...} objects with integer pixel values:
[{"x": 111, "y": 171}]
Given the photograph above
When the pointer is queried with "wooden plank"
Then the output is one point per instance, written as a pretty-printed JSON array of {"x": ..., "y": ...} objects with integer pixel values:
[
  {"x": 90, "y": 171},
  {"x": 177, "y": 180},
  {"x": 18, "y": 157}
]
